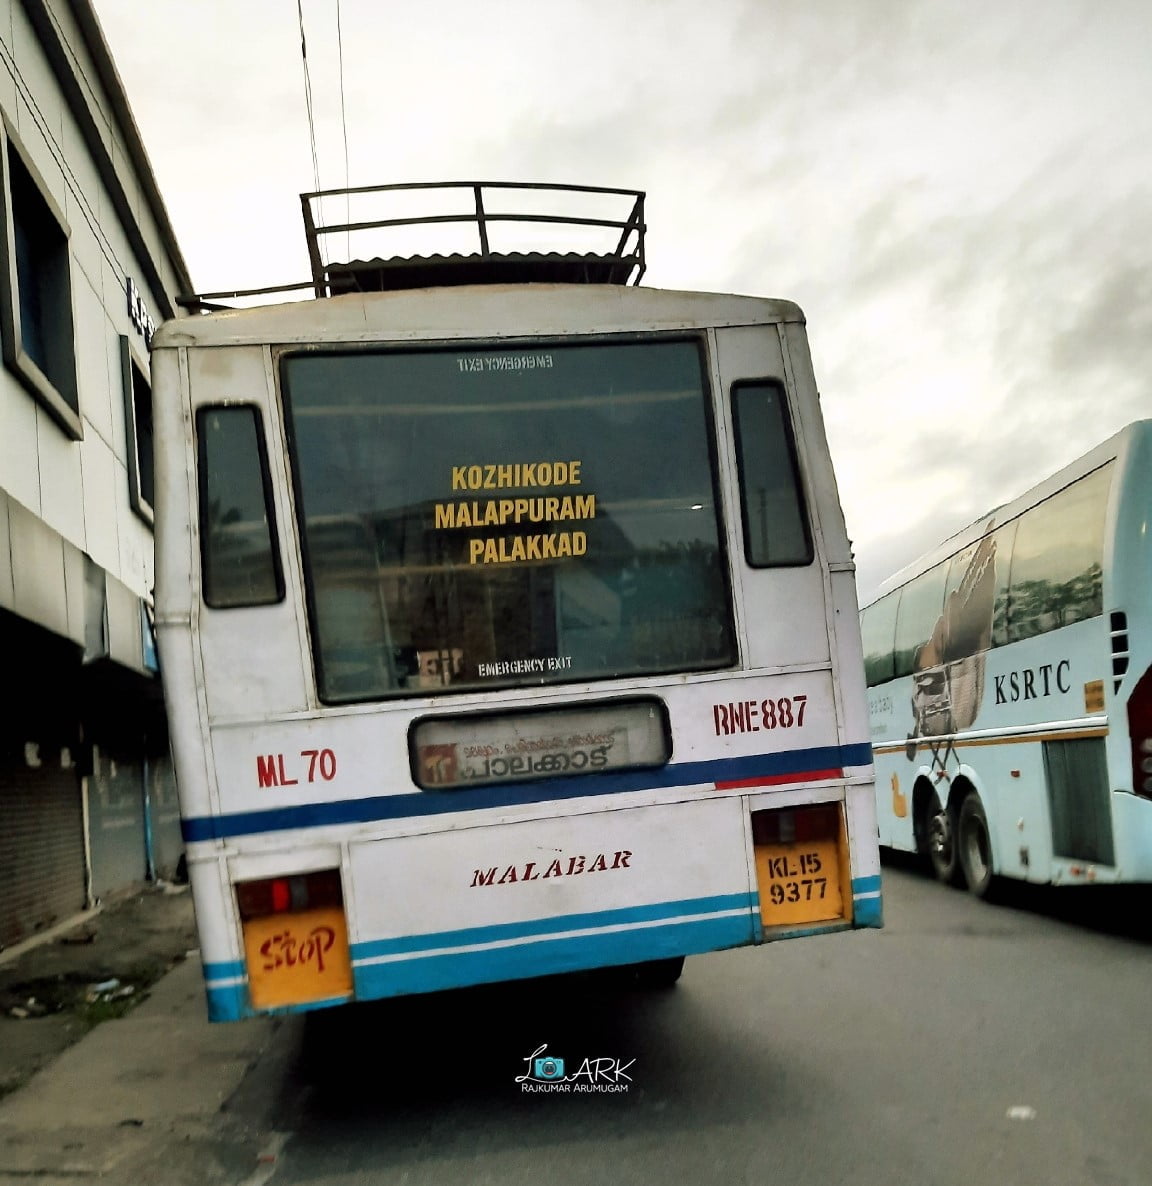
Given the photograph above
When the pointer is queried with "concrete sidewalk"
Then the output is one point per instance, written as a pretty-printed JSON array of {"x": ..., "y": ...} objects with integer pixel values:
[{"x": 139, "y": 1100}]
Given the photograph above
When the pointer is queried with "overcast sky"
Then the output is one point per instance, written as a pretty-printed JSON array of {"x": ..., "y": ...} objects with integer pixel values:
[{"x": 959, "y": 195}]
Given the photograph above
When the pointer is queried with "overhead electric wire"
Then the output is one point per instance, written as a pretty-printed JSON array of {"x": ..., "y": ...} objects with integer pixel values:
[
  {"x": 308, "y": 96},
  {"x": 344, "y": 130},
  {"x": 312, "y": 117}
]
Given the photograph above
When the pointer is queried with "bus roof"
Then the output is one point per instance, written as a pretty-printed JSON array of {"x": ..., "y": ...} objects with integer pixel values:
[{"x": 436, "y": 314}]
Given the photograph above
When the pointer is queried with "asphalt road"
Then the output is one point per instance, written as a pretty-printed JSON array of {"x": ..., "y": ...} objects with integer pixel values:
[{"x": 964, "y": 1043}]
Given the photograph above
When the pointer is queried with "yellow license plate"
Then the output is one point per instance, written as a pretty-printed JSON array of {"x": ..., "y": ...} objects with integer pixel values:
[
  {"x": 294, "y": 959},
  {"x": 799, "y": 882}
]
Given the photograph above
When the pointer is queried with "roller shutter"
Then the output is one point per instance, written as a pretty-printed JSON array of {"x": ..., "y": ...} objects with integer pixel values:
[{"x": 41, "y": 847}]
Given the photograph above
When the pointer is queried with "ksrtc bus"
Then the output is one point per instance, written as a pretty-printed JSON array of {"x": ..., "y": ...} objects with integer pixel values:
[
  {"x": 1010, "y": 684},
  {"x": 507, "y": 629}
]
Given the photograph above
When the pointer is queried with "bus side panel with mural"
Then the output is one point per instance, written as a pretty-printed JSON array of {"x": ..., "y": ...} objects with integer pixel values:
[{"x": 1010, "y": 685}]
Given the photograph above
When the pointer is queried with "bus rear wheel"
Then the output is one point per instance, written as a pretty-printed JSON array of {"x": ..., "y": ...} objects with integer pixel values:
[
  {"x": 940, "y": 832},
  {"x": 974, "y": 846}
]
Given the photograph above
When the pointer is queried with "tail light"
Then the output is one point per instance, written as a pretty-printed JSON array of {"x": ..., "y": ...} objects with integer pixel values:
[
  {"x": 282, "y": 895},
  {"x": 1140, "y": 731},
  {"x": 295, "y": 940},
  {"x": 802, "y": 868}
]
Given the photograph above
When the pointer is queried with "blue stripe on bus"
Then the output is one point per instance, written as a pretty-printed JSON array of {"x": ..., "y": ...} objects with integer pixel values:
[
  {"x": 735, "y": 923},
  {"x": 224, "y": 970},
  {"x": 549, "y": 957},
  {"x": 867, "y": 903},
  {"x": 541, "y": 957},
  {"x": 231, "y": 1004},
  {"x": 502, "y": 932},
  {"x": 228, "y": 1002},
  {"x": 795, "y": 763}
]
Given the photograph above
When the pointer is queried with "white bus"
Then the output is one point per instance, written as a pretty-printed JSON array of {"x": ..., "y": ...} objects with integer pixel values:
[
  {"x": 507, "y": 629},
  {"x": 1010, "y": 684}
]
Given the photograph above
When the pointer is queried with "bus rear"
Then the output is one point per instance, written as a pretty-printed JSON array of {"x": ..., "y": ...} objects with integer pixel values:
[{"x": 507, "y": 630}]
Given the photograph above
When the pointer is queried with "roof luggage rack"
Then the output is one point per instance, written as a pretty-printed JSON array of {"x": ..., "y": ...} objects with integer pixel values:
[{"x": 594, "y": 215}]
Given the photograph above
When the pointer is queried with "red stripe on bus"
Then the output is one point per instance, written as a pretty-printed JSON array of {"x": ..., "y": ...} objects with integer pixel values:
[{"x": 775, "y": 780}]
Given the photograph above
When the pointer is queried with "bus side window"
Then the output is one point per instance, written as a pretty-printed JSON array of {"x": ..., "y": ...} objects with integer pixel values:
[
  {"x": 1005, "y": 540},
  {"x": 878, "y": 628},
  {"x": 1057, "y": 574},
  {"x": 772, "y": 504},
  {"x": 240, "y": 560},
  {"x": 920, "y": 622}
]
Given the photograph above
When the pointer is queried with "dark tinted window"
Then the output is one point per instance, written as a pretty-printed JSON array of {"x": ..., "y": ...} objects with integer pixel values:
[
  {"x": 138, "y": 421},
  {"x": 42, "y": 278},
  {"x": 241, "y": 565},
  {"x": 481, "y": 517},
  {"x": 36, "y": 321},
  {"x": 878, "y": 629},
  {"x": 775, "y": 522},
  {"x": 1057, "y": 573},
  {"x": 1042, "y": 570},
  {"x": 970, "y": 599},
  {"x": 919, "y": 622},
  {"x": 142, "y": 409},
  {"x": 1003, "y": 537}
]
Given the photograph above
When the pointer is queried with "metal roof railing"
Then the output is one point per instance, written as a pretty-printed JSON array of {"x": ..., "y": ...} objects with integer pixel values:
[
  {"x": 621, "y": 263},
  {"x": 618, "y": 260}
]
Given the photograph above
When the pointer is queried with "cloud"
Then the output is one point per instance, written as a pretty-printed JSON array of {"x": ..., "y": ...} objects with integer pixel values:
[{"x": 957, "y": 197}]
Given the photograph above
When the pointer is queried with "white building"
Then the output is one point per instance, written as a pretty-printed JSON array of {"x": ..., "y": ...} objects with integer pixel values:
[{"x": 88, "y": 266}]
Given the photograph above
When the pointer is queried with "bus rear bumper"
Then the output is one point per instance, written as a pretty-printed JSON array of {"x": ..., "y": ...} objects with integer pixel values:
[{"x": 438, "y": 963}]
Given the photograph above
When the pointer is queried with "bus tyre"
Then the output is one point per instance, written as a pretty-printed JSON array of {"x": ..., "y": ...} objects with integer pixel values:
[
  {"x": 974, "y": 846},
  {"x": 940, "y": 831},
  {"x": 324, "y": 1044},
  {"x": 659, "y": 973}
]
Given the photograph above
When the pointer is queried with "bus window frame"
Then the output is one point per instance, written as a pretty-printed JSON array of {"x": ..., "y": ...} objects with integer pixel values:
[
  {"x": 797, "y": 474},
  {"x": 717, "y": 464},
  {"x": 201, "y": 412}
]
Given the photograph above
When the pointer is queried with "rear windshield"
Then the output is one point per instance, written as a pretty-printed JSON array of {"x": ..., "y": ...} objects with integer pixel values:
[{"x": 506, "y": 517}]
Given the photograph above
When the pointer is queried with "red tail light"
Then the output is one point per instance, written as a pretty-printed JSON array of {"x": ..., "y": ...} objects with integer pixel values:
[
  {"x": 1140, "y": 731},
  {"x": 279, "y": 895},
  {"x": 802, "y": 869},
  {"x": 797, "y": 825}
]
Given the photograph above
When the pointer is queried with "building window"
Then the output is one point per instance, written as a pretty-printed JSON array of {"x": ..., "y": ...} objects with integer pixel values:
[
  {"x": 36, "y": 291},
  {"x": 138, "y": 421}
]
